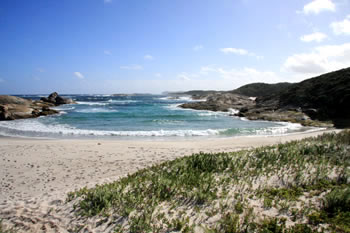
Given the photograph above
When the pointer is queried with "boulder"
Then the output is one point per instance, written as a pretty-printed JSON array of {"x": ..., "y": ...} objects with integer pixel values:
[
  {"x": 13, "y": 108},
  {"x": 46, "y": 111},
  {"x": 55, "y": 99},
  {"x": 60, "y": 100},
  {"x": 4, "y": 113},
  {"x": 221, "y": 102},
  {"x": 52, "y": 97},
  {"x": 7, "y": 99}
]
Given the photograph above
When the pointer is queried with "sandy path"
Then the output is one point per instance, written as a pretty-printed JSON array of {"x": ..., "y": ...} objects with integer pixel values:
[{"x": 35, "y": 175}]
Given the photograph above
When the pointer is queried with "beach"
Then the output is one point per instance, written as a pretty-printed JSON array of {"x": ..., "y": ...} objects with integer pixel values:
[{"x": 37, "y": 174}]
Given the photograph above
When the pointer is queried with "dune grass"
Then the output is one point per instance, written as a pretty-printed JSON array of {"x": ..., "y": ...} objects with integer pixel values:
[{"x": 300, "y": 186}]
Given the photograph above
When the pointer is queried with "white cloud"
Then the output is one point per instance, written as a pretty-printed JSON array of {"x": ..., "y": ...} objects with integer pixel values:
[
  {"x": 341, "y": 27},
  {"x": 238, "y": 51},
  {"x": 235, "y": 51},
  {"x": 158, "y": 75},
  {"x": 107, "y": 52},
  {"x": 186, "y": 76},
  {"x": 198, "y": 47},
  {"x": 107, "y": 1},
  {"x": 131, "y": 67},
  {"x": 148, "y": 57},
  {"x": 320, "y": 60},
  {"x": 317, "y": 6},
  {"x": 242, "y": 76},
  {"x": 79, "y": 75},
  {"x": 316, "y": 36},
  {"x": 217, "y": 78}
]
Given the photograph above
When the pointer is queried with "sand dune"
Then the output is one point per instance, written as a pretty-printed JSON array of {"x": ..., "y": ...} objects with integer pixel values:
[{"x": 36, "y": 175}]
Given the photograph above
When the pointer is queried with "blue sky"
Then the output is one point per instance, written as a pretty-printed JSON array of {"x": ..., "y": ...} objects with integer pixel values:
[{"x": 150, "y": 46}]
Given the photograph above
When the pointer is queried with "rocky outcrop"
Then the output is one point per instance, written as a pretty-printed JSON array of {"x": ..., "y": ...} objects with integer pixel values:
[
  {"x": 55, "y": 99},
  {"x": 13, "y": 108},
  {"x": 221, "y": 102},
  {"x": 319, "y": 101},
  {"x": 7, "y": 99}
]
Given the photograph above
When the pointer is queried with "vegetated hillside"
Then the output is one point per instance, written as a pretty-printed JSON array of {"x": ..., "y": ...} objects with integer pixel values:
[
  {"x": 300, "y": 186},
  {"x": 195, "y": 92},
  {"x": 328, "y": 96},
  {"x": 261, "y": 89}
]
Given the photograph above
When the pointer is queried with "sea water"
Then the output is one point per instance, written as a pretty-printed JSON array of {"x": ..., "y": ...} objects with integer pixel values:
[{"x": 139, "y": 116}]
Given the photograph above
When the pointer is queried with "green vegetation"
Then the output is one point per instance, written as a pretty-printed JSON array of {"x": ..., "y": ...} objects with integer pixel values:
[
  {"x": 328, "y": 95},
  {"x": 300, "y": 186},
  {"x": 261, "y": 89}
]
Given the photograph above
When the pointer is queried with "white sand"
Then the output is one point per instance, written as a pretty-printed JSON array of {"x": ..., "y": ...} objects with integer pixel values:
[{"x": 36, "y": 175}]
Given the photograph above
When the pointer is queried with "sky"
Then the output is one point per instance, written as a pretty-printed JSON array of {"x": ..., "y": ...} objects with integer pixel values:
[{"x": 151, "y": 46}]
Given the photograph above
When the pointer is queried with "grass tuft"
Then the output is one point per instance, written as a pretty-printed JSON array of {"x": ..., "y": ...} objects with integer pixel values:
[{"x": 300, "y": 180}]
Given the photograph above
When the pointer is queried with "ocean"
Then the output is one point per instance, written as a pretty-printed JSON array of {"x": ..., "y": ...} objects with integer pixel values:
[{"x": 139, "y": 116}]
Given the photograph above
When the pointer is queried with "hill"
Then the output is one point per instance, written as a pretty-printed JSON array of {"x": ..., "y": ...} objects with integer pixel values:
[
  {"x": 319, "y": 101},
  {"x": 261, "y": 89},
  {"x": 326, "y": 97}
]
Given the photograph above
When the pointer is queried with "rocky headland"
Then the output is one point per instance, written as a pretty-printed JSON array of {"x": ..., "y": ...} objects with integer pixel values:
[
  {"x": 13, "y": 108},
  {"x": 320, "y": 101}
]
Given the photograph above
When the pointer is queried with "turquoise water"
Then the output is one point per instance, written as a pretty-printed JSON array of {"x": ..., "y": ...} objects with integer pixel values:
[{"x": 106, "y": 116}]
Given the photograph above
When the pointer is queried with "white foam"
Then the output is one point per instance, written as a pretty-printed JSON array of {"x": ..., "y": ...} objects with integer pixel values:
[
  {"x": 198, "y": 112},
  {"x": 100, "y": 95},
  {"x": 91, "y": 103},
  {"x": 211, "y": 113},
  {"x": 122, "y": 101},
  {"x": 173, "y": 107},
  {"x": 180, "y": 98},
  {"x": 96, "y": 110},
  {"x": 64, "y": 108},
  {"x": 284, "y": 128},
  {"x": 34, "y": 126},
  {"x": 233, "y": 111}
]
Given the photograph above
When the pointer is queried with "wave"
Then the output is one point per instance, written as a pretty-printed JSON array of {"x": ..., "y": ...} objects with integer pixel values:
[
  {"x": 173, "y": 107},
  {"x": 101, "y": 95},
  {"x": 96, "y": 110},
  {"x": 180, "y": 98},
  {"x": 122, "y": 101},
  {"x": 91, "y": 103},
  {"x": 64, "y": 108},
  {"x": 36, "y": 128},
  {"x": 201, "y": 112},
  {"x": 283, "y": 128}
]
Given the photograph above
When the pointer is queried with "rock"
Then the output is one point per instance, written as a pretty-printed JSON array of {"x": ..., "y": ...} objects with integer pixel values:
[
  {"x": 16, "y": 111},
  {"x": 52, "y": 97},
  {"x": 221, "y": 102},
  {"x": 4, "y": 114},
  {"x": 46, "y": 111},
  {"x": 6, "y": 99},
  {"x": 13, "y": 108},
  {"x": 55, "y": 99},
  {"x": 60, "y": 100}
]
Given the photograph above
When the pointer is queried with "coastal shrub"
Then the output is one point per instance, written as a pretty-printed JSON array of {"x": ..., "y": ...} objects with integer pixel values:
[
  {"x": 222, "y": 184},
  {"x": 338, "y": 200}
]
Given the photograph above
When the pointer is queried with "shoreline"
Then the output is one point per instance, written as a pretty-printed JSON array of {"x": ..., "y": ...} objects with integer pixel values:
[
  {"x": 38, "y": 174},
  {"x": 167, "y": 138}
]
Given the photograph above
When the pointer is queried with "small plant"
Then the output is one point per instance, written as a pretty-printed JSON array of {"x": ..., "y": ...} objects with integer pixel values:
[
  {"x": 220, "y": 184},
  {"x": 268, "y": 203}
]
